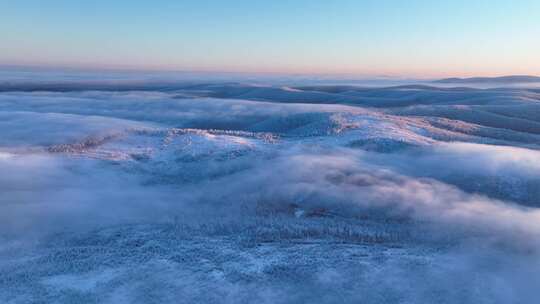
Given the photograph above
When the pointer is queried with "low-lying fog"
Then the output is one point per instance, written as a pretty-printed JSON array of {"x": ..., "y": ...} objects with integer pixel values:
[{"x": 235, "y": 192}]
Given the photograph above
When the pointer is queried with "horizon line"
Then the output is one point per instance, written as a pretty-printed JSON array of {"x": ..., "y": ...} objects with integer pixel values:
[{"x": 128, "y": 69}]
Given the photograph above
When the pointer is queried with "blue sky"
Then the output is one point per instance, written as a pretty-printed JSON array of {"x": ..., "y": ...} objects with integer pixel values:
[{"x": 413, "y": 37}]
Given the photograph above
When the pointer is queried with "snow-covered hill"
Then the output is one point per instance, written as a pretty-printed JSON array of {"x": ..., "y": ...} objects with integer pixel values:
[{"x": 227, "y": 192}]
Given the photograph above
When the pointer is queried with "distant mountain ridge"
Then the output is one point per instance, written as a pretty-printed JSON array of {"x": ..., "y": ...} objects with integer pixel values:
[{"x": 502, "y": 79}]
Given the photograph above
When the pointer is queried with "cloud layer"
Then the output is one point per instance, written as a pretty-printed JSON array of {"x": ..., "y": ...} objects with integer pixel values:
[{"x": 410, "y": 199}]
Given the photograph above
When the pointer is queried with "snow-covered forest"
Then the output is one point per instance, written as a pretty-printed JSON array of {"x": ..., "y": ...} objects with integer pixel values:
[{"x": 268, "y": 191}]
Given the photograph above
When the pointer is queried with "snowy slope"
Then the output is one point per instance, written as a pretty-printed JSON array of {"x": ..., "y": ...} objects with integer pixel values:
[{"x": 242, "y": 193}]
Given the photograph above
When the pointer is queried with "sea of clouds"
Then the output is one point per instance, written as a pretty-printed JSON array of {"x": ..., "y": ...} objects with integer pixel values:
[{"x": 439, "y": 213}]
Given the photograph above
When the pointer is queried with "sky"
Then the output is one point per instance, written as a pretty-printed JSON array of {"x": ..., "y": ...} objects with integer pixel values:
[{"x": 417, "y": 38}]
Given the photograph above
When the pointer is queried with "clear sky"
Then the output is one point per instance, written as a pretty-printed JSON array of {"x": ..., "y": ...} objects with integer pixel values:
[{"x": 364, "y": 37}]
